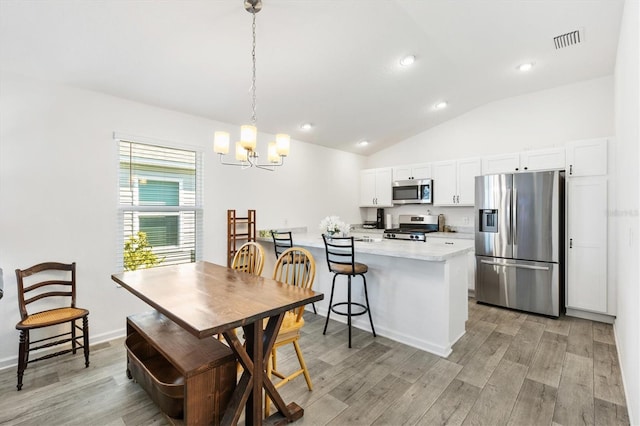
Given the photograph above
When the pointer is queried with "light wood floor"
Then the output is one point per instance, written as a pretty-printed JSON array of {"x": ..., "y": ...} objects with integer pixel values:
[{"x": 509, "y": 368}]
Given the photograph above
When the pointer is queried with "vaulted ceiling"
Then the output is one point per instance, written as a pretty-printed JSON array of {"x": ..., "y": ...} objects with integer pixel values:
[{"x": 332, "y": 63}]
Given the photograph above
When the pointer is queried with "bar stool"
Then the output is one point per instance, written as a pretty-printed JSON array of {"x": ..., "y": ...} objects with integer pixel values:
[{"x": 340, "y": 255}]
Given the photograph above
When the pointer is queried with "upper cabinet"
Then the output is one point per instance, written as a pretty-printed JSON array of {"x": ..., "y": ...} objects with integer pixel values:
[
  {"x": 543, "y": 159},
  {"x": 503, "y": 163},
  {"x": 454, "y": 182},
  {"x": 375, "y": 187},
  {"x": 587, "y": 158},
  {"x": 412, "y": 171},
  {"x": 528, "y": 161}
]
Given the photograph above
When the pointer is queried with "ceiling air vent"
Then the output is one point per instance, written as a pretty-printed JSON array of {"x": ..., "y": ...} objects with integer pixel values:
[{"x": 568, "y": 39}]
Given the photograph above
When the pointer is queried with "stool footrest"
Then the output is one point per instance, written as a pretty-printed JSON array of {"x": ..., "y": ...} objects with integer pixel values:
[{"x": 353, "y": 314}]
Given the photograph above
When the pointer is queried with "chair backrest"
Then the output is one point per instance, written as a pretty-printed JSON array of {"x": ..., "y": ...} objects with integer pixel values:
[
  {"x": 296, "y": 266},
  {"x": 46, "y": 282},
  {"x": 340, "y": 251},
  {"x": 281, "y": 241},
  {"x": 249, "y": 258}
]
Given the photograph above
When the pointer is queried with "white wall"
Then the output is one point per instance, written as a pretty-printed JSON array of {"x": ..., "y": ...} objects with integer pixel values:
[
  {"x": 624, "y": 212},
  {"x": 58, "y": 190},
  {"x": 537, "y": 120}
]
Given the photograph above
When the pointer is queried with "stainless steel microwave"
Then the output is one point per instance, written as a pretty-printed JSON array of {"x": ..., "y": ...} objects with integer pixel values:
[{"x": 412, "y": 191}]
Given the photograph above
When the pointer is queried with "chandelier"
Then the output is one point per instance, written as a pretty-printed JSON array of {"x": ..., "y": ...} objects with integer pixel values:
[{"x": 246, "y": 154}]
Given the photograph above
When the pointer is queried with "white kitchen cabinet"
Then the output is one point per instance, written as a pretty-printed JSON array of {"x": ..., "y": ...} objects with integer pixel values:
[
  {"x": 454, "y": 182},
  {"x": 467, "y": 171},
  {"x": 375, "y": 187},
  {"x": 412, "y": 171},
  {"x": 586, "y": 245},
  {"x": 587, "y": 158},
  {"x": 543, "y": 159},
  {"x": 440, "y": 238},
  {"x": 503, "y": 163},
  {"x": 527, "y": 161}
]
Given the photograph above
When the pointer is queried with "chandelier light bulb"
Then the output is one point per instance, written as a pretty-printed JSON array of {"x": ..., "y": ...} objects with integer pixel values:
[
  {"x": 241, "y": 153},
  {"x": 282, "y": 144},
  {"x": 248, "y": 137},
  {"x": 272, "y": 153},
  {"x": 221, "y": 143}
]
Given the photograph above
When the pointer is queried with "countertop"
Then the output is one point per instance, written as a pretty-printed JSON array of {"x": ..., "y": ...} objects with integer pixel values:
[
  {"x": 452, "y": 235},
  {"x": 436, "y": 250}
]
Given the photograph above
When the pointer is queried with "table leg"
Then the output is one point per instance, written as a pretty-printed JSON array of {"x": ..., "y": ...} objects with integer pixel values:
[{"x": 252, "y": 357}]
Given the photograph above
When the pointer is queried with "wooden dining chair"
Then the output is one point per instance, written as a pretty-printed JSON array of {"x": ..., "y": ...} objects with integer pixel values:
[
  {"x": 295, "y": 266},
  {"x": 249, "y": 258},
  {"x": 282, "y": 241},
  {"x": 47, "y": 285}
]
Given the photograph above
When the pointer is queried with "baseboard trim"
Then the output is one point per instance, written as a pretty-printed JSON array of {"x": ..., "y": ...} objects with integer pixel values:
[
  {"x": 608, "y": 319},
  {"x": 12, "y": 362}
]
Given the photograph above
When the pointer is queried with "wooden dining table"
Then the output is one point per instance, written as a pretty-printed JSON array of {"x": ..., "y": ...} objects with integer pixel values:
[{"x": 208, "y": 299}]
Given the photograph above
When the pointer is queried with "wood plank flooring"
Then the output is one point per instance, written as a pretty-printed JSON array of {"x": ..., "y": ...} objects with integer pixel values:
[{"x": 509, "y": 368}]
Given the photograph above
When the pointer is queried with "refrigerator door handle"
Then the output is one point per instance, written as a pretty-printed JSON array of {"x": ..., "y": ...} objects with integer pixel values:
[
  {"x": 515, "y": 265},
  {"x": 515, "y": 216},
  {"x": 510, "y": 212}
]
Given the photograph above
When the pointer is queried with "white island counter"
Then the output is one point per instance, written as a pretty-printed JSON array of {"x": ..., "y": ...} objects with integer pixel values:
[{"x": 417, "y": 291}]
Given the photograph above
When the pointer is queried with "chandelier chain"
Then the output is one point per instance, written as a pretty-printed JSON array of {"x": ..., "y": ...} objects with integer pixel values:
[{"x": 253, "y": 81}]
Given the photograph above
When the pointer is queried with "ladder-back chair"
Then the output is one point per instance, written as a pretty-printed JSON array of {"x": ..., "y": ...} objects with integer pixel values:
[{"x": 45, "y": 285}]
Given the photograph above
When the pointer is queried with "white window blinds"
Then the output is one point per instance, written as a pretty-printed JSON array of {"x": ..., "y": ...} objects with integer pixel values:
[{"x": 160, "y": 209}]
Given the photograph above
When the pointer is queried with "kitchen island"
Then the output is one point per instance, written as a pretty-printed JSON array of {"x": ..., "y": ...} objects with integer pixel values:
[{"x": 417, "y": 290}]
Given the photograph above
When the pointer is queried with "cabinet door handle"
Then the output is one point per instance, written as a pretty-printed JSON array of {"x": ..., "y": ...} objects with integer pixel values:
[
  {"x": 517, "y": 169},
  {"x": 570, "y": 242},
  {"x": 526, "y": 168},
  {"x": 453, "y": 199},
  {"x": 570, "y": 169},
  {"x": 458, "y": 199}
]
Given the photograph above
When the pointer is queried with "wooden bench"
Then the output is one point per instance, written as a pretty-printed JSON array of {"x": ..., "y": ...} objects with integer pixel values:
[{"x": 185, "y": 376}]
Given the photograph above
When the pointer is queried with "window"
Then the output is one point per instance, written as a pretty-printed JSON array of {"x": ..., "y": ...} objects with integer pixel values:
[{"x": 159, "y": 190}]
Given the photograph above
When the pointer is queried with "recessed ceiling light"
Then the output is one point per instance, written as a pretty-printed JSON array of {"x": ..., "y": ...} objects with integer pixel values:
[
  {"x": 363, "y": 143},
  {"x": 306, "y": 126},
  {"x": 440, "y": 105},
  {"x": 525, "y": 67},
  {"x": 407, "y": 60}
]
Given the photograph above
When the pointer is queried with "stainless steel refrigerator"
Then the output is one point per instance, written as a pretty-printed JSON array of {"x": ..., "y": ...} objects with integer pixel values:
[{"x": 519, "y": 226}]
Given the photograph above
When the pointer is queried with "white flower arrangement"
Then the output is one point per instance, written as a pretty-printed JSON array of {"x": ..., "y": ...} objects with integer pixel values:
[{"x": 333, "y": 226}]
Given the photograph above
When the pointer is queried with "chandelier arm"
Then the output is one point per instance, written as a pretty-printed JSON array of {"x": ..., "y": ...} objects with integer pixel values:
[
  {"x": 251, "y": 163},
  {"x": 226, "y": 163}
]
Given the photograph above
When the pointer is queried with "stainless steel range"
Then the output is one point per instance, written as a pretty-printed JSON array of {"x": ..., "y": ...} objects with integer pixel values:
[{"x": 413, "y": 227}]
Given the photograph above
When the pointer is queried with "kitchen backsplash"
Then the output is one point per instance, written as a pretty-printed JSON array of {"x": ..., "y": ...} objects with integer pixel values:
[{"x": 460, "y": 219}]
